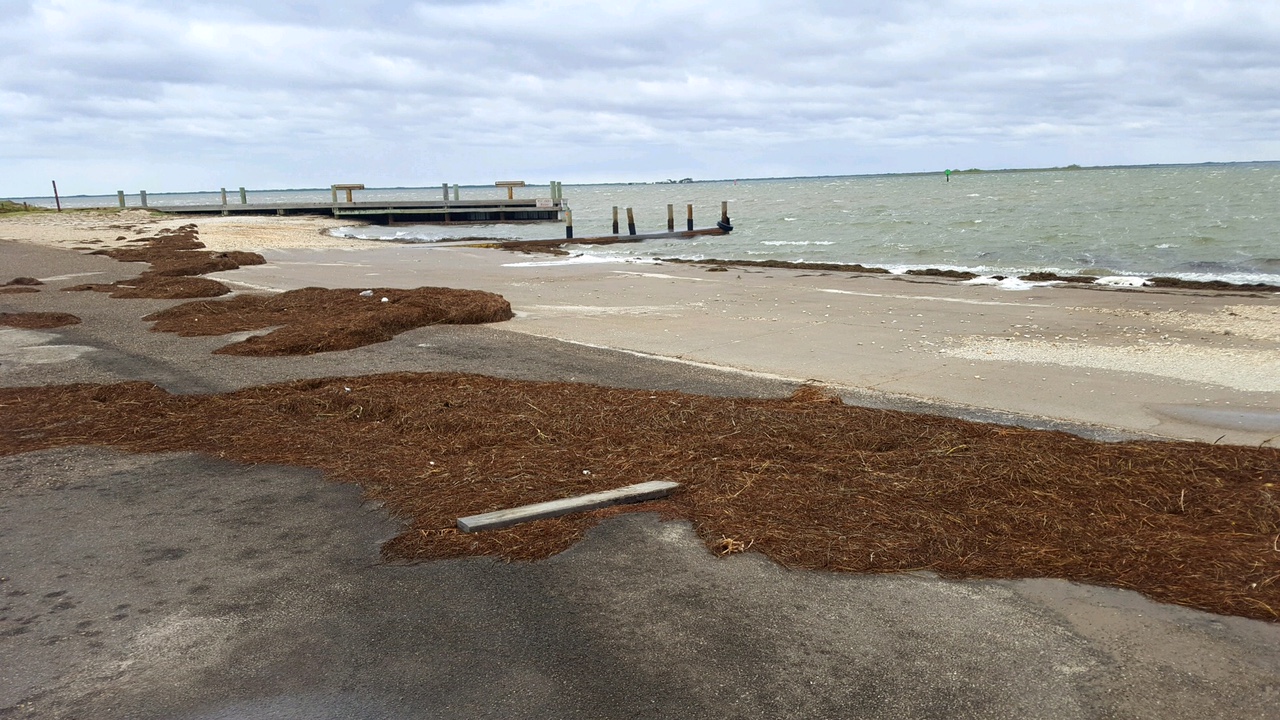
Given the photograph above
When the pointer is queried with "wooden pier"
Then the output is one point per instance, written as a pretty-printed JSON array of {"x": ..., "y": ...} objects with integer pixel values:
[
  {"x": 391, "y": 212},
  {"x": 394, "y": 212}
]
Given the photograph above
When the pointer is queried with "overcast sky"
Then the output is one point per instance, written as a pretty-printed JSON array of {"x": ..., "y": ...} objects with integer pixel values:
[{"x": 103, "y": 95}]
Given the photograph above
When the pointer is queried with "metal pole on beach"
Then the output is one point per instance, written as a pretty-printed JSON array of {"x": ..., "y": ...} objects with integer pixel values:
[{"x": 57, "y": 199}]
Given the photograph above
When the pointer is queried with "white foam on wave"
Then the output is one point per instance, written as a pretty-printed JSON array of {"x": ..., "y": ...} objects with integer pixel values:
[
  {"x": 1238, "y": 278},
  {"x": 432, "y": 233},
  {"x": 797, "y": 242},
  {"x": 1010, "y": 283},
  {"x": 1121, "y": 281},
  {"x": 583, "y": 260}
]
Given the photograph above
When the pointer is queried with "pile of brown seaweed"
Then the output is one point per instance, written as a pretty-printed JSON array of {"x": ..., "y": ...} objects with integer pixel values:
[
  {"x": 176, "y": 258},
  {"x": 20, "y": 285},
  {"x": 806, "y": 480},
  {"x": 38, "y": 320},
  {"x": 313, "y": 320}
]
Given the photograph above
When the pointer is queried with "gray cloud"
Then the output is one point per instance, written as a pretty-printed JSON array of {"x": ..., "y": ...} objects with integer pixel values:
[{"x": 133, "y": 93}]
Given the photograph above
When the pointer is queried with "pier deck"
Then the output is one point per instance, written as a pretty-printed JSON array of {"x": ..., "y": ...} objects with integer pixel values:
[{"x": 394, "y": 212}]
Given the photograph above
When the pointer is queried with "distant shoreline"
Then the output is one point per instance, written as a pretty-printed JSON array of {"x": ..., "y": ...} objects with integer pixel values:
[{"x": 623, "y": 183}]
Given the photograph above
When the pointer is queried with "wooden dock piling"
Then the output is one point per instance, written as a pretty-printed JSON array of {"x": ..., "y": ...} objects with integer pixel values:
[
  {"x": 615, "y": 219},
  {"x": 690, "y": 227},
  {"x": 244, "y": 197},
  {"x": 631, "y": 222},
  {"x": 671, "y": 218},
  {"x": 568, "y": 224},
  {"x": 142, "y": 195},
  {"x": 120, "y": 198}
]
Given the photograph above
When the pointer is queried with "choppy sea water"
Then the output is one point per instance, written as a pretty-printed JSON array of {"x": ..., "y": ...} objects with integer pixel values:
[
  {"x": 1201, "y": 222},
  {"x": 1194, "y": 222}
]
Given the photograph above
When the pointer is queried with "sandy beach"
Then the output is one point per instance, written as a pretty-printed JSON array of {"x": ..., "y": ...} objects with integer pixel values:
[{"x": 1170, "y": 363}]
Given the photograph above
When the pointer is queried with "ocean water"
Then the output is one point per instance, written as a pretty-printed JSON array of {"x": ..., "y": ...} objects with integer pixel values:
[{"x": 1195, "y": 222}]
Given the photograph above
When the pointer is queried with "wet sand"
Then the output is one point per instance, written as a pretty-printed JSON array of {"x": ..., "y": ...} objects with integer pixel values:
[
  {"x": 1178, "y": 364},
  {"x": 1172, "y": 363}
]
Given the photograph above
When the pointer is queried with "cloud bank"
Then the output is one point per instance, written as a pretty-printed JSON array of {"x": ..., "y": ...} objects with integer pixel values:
[{"x": 117, "y": 94}]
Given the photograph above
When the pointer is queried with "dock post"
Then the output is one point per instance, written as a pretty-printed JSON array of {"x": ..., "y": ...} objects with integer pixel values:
[
  {"x": 568, "y": 224},
  {"x": 333, "y": 193},
  {"x": 143, "y": 195},
  {"x": 615, "y": 219},
  {"x": 690, "y": 217},
  {"x": 671, "y": 218},
  {"x": 224, "y": 197},
  {"x": 445, "y": 187},
  {"x": 244, "y": 198},
  {"x": 456, "y": 194},
  {"x": 724, "y": 212},
  {"x": 120, "y": 197},
  {"x": 631, "y": 222}
]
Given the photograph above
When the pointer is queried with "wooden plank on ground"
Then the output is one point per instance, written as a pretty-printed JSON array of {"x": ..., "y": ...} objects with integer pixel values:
[{"x": 513, "y": 516}]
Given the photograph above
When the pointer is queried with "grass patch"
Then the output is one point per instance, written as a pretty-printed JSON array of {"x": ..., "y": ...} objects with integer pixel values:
[{"x": 8, "y": 207}]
